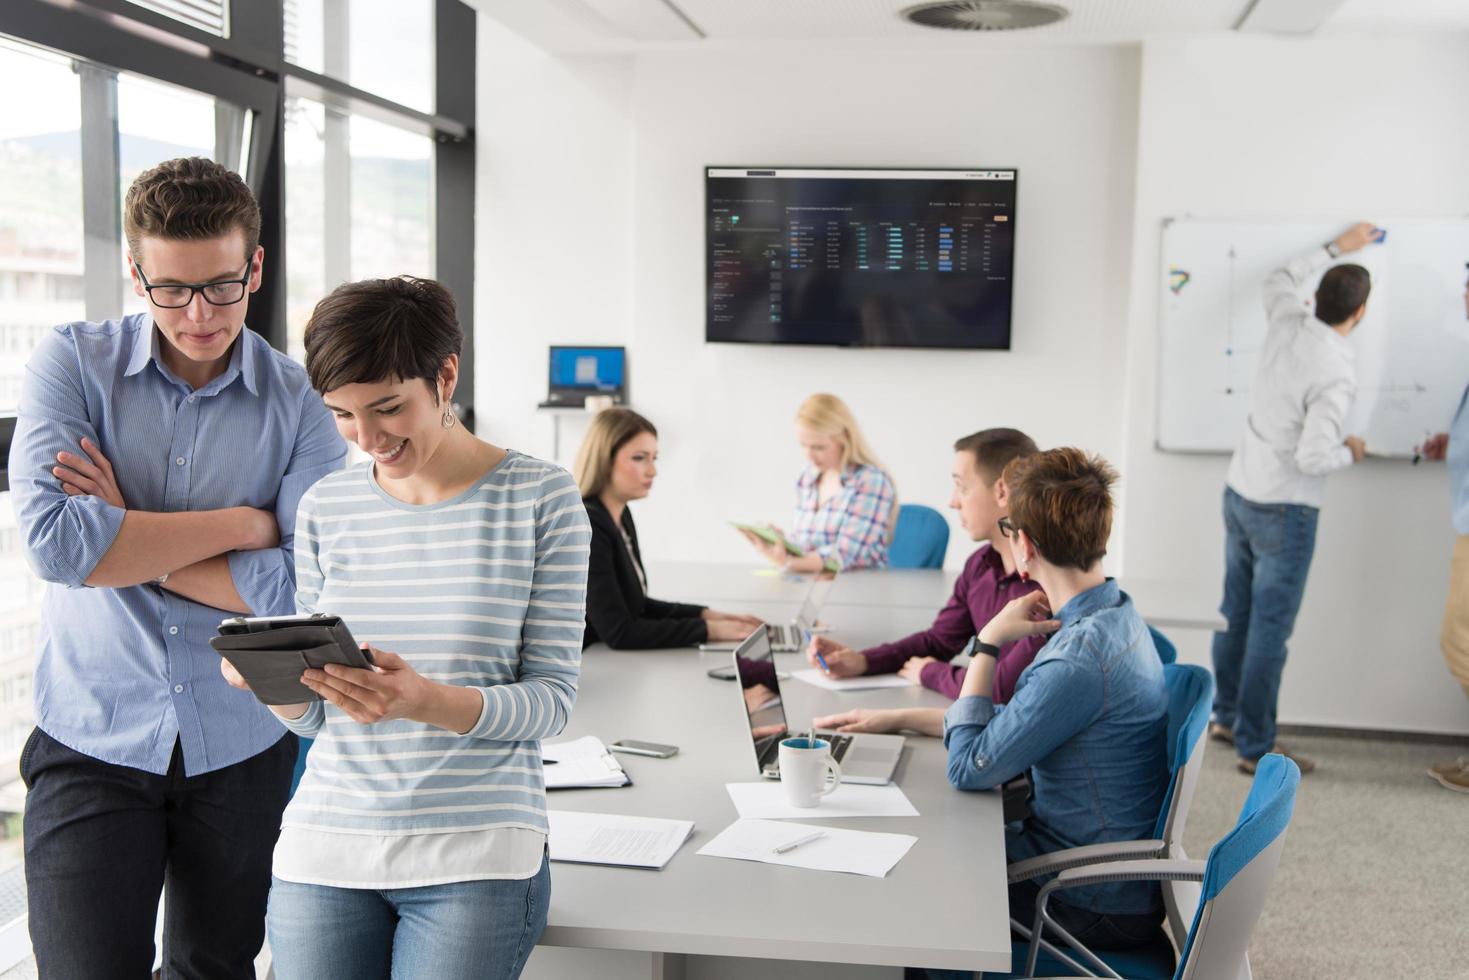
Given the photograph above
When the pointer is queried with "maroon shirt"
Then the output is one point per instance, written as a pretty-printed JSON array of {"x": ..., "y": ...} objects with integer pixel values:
[{"x": 983, "y": 589}]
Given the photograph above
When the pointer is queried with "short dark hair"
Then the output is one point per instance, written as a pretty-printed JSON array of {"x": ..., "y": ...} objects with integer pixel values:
[
  {"x": 379, "y": 329},
  {"x": 1343, "y": 290},
  {"x": 189, "y": 198},
  {"x": 994, "y": 448},
  {"x": 1062, "y": 499}
]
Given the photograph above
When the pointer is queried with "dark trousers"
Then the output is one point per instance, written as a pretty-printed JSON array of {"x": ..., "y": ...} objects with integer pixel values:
[{"x": 101, "y": 841}]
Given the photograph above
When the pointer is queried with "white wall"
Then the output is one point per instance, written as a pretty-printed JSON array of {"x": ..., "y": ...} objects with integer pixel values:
[
  {"x": 724, "y": 411},
  {"x": 591, "y": 231},
  {"x": 1350, "y": 128},
  {"x": 553, "y": 222}
]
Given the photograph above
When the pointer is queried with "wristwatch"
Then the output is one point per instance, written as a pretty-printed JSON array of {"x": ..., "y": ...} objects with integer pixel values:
[
  {"x": 979, "y": 646},
  {"x": 1332, "y": 249}
]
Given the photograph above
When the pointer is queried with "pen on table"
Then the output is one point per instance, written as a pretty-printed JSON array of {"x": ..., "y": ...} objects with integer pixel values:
[
  {"x": 798, "y": 842},
  {"x": 819, "y": 658},
  {"x": 548, "y": 762}
]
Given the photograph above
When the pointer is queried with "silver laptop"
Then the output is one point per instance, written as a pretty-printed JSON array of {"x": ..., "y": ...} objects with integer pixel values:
[
  {"x": 864, "y": 758},
  {"x": 791, "y": 637}
]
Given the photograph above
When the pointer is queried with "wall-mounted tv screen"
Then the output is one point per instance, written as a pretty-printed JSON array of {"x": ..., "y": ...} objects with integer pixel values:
[{"x": 859, "y": 257}]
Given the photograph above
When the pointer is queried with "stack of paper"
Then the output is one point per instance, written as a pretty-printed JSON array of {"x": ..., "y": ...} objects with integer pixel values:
[
  {"x": 860, "y": 683},
  {"x": 767, "y": 800},
  {"x": 626, "y": 842},
  {"x": 583, "y": 762},
  {"x": 817, "y": 848}
]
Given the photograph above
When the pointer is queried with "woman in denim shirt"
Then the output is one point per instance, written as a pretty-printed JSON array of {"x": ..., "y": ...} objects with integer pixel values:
[{"x": 1089, "y": 717}]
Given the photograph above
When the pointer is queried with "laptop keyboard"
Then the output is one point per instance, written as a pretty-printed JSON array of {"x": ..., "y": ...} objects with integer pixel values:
[
  {"x": 839, "y": 744},
  {"x": 784, "y": 636}
]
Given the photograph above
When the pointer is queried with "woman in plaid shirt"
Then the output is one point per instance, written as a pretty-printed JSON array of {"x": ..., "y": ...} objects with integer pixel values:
[{"x": 846, "y": 504}]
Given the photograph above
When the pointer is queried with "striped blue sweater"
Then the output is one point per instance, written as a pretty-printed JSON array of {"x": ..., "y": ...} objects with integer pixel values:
[{"x": 485, "y": 590}]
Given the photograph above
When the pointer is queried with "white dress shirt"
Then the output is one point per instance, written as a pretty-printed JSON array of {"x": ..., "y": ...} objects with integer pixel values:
[{"x": 1304, "y": 388}]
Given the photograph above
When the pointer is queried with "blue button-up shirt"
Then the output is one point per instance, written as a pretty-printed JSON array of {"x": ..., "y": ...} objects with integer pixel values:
[
  {"x": 124, "y": 674},
  {"x": 1458, "y": 460},
  {"x": 1089, "y": 719}
]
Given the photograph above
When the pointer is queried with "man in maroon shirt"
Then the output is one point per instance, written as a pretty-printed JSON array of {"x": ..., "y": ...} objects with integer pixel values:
[{"x": 988, "y": 582}]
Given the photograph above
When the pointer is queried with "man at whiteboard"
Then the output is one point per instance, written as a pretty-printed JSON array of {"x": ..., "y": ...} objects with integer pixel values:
[{"x": 1303, "y": 390}]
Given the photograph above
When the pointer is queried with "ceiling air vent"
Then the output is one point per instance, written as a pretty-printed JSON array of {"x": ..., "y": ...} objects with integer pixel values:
[{"x": 985, "y": 15}]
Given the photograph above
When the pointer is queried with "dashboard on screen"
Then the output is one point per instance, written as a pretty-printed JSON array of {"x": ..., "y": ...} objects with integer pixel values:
[{"x": 860, "y": 257}]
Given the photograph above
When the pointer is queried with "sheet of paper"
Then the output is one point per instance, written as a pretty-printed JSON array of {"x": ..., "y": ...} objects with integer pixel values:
[
  {"x": 866, "y": 681},
  {"x": 606, "y": 838},
  {"x": 582, "y": 762},
  {"x": 858, "y": 852},
  {"x": 767, "y": 800}
]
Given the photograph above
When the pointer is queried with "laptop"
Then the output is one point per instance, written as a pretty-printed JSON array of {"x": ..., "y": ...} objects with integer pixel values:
[
  {"x": 791, "y": 637},
  {"x": 870, "y": 759},
  {"x": 576, "y": 372}
]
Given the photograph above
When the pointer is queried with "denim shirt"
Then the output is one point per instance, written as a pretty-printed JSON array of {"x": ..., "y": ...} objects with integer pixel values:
[{"x": 1089, "y": 719}]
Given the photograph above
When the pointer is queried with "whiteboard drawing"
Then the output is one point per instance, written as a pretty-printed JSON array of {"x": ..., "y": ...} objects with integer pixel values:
[{"x": 1412, "y": 347}]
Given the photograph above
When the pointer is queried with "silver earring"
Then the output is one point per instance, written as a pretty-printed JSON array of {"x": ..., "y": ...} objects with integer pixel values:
[{"x": 449, "y": 417}]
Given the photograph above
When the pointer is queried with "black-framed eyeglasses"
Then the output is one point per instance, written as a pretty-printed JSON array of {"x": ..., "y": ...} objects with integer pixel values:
[
  {"x": 175, "y": 296},
  {"x": 1007, "y": 529}
]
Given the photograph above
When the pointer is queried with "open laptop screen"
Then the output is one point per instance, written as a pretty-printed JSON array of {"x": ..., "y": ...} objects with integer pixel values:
[
  {"x": 815, "y": 599},
  {"x": 760, "y": 689}
]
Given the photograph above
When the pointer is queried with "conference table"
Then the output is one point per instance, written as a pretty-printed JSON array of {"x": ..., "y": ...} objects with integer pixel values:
[
  {"x": 1164, "y": 602},
  {"x": 943, "y": 905}
]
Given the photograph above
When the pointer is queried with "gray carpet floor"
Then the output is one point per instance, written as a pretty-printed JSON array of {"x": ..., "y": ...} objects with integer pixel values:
[{"x": 1374, "y": 881}]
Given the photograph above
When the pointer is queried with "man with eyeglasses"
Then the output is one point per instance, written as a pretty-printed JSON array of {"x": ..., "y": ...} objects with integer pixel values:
[{"x": 156, "y": 468}]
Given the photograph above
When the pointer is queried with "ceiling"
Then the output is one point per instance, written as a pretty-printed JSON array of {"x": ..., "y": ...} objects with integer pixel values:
[{"x": 572, "y": 26}]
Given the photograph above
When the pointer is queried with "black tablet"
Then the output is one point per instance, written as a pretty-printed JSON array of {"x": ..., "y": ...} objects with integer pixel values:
[{"x": 270, "y": 652}]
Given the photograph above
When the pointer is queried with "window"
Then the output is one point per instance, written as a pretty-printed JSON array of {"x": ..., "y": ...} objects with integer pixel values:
[
  {"x": 384, "y": 47},
  {"x": 206, "y": 15},
  {"x": 360, "y": 195},
  {"x": 98, "y": 99},
  {"x": 41, "y": 265}
]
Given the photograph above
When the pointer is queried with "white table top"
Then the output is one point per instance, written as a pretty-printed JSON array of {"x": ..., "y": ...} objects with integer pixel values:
[{"x": 943, "y": 906}]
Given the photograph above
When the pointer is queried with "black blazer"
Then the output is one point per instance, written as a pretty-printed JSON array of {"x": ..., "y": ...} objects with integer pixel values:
[{"x": 619, "y": 613}]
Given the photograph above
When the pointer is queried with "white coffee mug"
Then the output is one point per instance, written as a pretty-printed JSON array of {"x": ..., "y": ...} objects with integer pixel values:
[{"x": 805, "y": 765}]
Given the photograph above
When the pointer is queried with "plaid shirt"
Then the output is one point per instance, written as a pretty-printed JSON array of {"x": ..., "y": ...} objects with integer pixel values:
[{"x": 852, "y": 528}]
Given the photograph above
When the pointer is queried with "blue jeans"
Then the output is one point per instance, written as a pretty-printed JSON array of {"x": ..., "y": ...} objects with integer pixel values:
[
  {"x": 1267, "y": 554},
  {"x": 465, "y": 930}
]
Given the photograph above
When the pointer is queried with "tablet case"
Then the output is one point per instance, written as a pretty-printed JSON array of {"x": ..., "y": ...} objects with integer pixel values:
[{"x": 271, "y": 659}]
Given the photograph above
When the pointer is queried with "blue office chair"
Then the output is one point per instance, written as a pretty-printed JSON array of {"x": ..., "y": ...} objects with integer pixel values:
[
  {"x": 1167, "y": 652},
  {"x": 300, "y": 769},
  {"x": 920, "y": 539},
  {"x": 1190, "y": 699},
  {"x": 1232, "y": 885}
]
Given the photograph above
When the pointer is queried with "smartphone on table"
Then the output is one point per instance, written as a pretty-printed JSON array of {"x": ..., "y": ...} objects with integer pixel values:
[{"x": 655, "y": 749}]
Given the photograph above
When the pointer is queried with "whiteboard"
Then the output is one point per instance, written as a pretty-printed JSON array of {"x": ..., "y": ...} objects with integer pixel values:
[{"x": 1412, "y": 347}]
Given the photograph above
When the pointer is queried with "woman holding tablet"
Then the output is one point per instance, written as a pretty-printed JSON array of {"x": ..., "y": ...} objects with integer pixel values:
[
  {"x": 415, "y": 846},
  {"x": 616, "y": 464},
  {"x": 846, "y": 505}
]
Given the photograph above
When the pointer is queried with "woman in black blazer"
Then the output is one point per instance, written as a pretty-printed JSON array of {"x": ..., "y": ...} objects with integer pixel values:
[{"x": 617, "y": 463}]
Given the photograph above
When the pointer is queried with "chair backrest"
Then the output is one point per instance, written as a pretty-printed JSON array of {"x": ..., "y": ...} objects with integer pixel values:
[
  {"x": 920, "y": 539},
  {"x": 1237, "y": 876},
  {"x": 1190, "y": 699},
  {"x": 1167, "y": 652}
]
